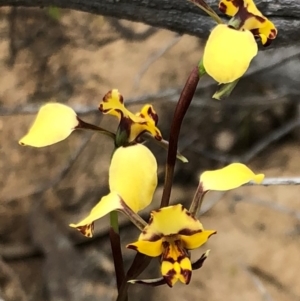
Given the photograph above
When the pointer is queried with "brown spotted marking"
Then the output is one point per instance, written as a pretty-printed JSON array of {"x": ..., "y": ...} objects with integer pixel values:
[
  {"x": 107, "y": 96},
  {"x": 132, "y": 247},
  {"x": 189, "y": 232},
  {"x": 169, "y": 276},
  {"x": 153, "y": 114},
  {"x": 86, "y": 230},
  {"x": 187, "y": 275}
]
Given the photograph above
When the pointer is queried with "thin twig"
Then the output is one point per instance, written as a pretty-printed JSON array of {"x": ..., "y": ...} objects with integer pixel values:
[
  {"x": 257, "y": 148},
  {"x": 277, "y": 182},
  {"x": 267, "y": 204},
  {"x": 259, "y": 285},
  {"x": 64, "y": 171},
  {"x": 272, "y": 137},
  {"x": 154, "y": 57}
]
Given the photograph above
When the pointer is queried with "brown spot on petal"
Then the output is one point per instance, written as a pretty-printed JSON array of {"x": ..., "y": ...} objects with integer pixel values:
[
  {"x": 158, "y": 136},
  {"x": 107, "y": 96},
  {"x": 132, "y": 247},
  {"x": 101, "y": 108},
  {"x": 86, "y": 230},
  {"x": 222, "y": 8},
  {"x": 272, "y": 34},
  {"x": 169, "y": 276},
  {"x": 150, "y": 220},
  {"x": 187, "y": 274},
  {"x": 212, "y": 234},
  {"x": 153, "y": 114},
  {"x": 189, "y": 232},
  {"x": 259, "y": 18}
]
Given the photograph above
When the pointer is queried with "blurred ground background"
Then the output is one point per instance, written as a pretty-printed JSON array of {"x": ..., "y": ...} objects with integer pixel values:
[{"x": 75, "y": 58}]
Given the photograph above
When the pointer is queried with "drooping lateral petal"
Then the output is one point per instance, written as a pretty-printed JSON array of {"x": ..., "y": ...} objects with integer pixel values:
[
  {"x": 170, "y": 220},
  {"x": 148, "y": 124},
  {"x": 229, "y": 177},
  {"x": 196, "y": 240},
  {"x": 133, "y": 175},
  {"x": 228, "y": 53},
  {"x": 54, "y": 123},
  {"x": 108, "y": 203},
  {"x": 267, "y": 32},
  {"x": 149, "y": 248},
  {"x": 231, "y": 7}
]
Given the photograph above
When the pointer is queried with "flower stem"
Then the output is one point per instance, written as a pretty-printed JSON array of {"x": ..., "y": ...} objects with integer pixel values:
[
  {"x": 115, "y": 243},
  {"x": 87, "y": 126},
  {"x": 197, "y": 200},
  {"x": 180, "y": 111},
  {"x": 205, "y": 7},
  {"x": 134, "y": 217},
  {"x": 138, "y": 265}
]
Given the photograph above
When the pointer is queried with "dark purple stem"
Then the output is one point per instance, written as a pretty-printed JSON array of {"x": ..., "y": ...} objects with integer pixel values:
[
  {"x": 117, "y": 257},
  {"x": 180, "y": 111}
]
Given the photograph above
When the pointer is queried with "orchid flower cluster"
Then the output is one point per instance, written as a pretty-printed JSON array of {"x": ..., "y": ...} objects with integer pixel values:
[{"x": 172, "y": 231}]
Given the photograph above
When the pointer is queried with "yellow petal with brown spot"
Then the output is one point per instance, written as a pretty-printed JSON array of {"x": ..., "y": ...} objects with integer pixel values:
[
  {"x": 113, "y": 104},
  {"x": 229, "y": 177},
  {"x": 108, "y": 203},
  {"x": 149, "y": 248},
  {"x": 148, "y": 124},
  {"x": 196, "y": 240},
  {"x": 170, "y": 220},
  {"x": 133, "y": 175},
  {"x": 54, "y": 123}
]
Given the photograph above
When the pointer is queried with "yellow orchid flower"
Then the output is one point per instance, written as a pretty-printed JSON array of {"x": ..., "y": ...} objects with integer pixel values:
[
  {"x": 54, "y": 123},
  {"x": 230, "y": 48},
  {"x": 250, "y": 19},
  {"x": 170, "y": 233},
  {"x": 229, "y": 177},
  {"x": 132, "y": 182},
  {"x": 133, "y": 125}
]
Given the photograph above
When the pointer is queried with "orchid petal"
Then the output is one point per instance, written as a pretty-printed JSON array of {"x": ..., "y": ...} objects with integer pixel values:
[
  {"x": 149, "y": 248},
  {"x": 228, "y": 53},
  {"x": 133, "y": 175},
  {"x": 108, "y": 203},
  {"x": 171, "y": 220},
  {"x": 196, "y": 240},
  {"x": 229, "y": 177},
  {"x": 54, "y": 123}
]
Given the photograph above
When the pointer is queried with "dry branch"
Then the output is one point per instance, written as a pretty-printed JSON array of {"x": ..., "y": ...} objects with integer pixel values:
[{"x": 177, "y": 15}]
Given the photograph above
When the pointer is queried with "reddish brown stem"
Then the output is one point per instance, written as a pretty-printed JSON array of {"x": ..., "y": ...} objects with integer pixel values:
[
  {"x": 117, "y": 257},
  {"x": 138, "y": 265},
  {"x": 180, "y": 111}
]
